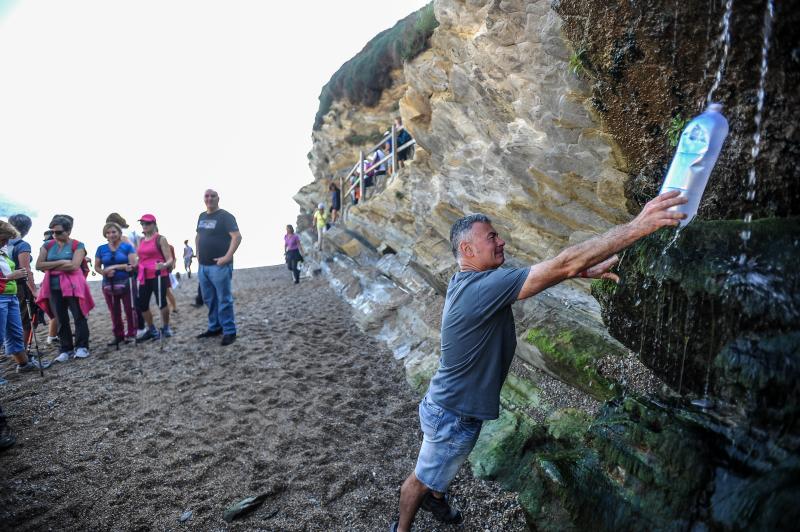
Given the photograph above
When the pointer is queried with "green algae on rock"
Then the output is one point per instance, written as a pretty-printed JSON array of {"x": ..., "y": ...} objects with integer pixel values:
[{"x": 684, "y": 296}]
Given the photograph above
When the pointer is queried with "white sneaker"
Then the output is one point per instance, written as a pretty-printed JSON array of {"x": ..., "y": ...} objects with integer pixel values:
[
  {"x": 63, "y": 357},
  {"x": 81, "y": 352},
  {"x": 140, "y": 333},
  {"x": 51, "y": 340}
]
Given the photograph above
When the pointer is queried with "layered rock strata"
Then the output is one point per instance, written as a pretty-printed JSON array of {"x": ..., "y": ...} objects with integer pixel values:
[{"x": 507, "y": 124}]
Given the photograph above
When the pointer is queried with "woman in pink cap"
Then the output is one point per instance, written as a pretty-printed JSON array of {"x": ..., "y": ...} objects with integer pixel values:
[{"x": 155, "y": 260}]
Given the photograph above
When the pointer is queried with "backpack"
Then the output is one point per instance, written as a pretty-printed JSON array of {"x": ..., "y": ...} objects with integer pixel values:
[
  {"x": 84, "y": 263},
  {"x": 171, "y": 250}
]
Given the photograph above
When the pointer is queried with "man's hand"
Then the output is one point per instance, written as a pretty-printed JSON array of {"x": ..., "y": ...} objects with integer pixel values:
[
  {"x": 222, "y": 261},
  {"x": 600, "y": 271},
  {"x": 160, "y": 265},
  {"x": 656, "y": 215}
]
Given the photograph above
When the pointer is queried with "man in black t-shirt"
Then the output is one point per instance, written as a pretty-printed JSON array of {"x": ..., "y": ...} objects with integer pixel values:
[{"x": 217, "y": 240}]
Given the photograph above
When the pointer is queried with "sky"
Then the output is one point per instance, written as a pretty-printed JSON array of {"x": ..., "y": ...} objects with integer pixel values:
[{"x": 139, "y": 107}]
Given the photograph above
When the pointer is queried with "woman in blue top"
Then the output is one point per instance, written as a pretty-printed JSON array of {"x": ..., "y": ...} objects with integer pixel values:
[{"x": 114, "y": 261}]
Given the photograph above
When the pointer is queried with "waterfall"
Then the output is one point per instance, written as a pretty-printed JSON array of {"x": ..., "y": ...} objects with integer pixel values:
[{"x": 752, "y": 179}]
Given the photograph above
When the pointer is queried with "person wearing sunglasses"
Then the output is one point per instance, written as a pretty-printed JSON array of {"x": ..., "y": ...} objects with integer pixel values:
[
  {"x": 155, "y": 260},
  {"x": 64, "y": 290}
]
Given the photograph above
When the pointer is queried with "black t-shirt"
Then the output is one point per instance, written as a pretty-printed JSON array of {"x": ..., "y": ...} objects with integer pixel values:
[{"x": 213, "y": 235}]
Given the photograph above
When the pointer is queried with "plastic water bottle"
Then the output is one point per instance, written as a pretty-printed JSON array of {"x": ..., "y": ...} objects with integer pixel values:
[{"x": 698, "y": 149}]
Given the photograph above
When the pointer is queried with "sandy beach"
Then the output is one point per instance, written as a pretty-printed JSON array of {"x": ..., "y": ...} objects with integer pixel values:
[{"x": 303, "y": 408}]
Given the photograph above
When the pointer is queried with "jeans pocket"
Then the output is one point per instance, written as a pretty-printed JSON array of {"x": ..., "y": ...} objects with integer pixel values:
[
  {"x": 430, "y": 416},
  {"x": 468, "y": 431}
]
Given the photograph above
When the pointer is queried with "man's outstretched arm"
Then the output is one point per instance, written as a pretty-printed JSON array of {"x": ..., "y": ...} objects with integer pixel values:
[{"x": 597, "y": 254}]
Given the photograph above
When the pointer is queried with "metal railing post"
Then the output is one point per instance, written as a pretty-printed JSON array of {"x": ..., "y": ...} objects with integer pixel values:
[
  {"x": 363, "y": 176},
  {"x": 394, "y": 149},
  {"x": 341, "y": 198}
]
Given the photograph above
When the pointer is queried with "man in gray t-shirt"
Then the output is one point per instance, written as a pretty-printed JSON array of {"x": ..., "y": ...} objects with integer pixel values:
[{"x": 479, "y": 340}]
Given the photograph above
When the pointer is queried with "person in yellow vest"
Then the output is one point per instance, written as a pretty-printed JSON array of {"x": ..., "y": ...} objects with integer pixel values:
[{"x": 320, "y": 222}]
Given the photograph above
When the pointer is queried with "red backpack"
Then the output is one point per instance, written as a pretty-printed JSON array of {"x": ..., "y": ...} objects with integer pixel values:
[
  {"x": 171, "y": 250},
  {"x": 84, "y": 263}
]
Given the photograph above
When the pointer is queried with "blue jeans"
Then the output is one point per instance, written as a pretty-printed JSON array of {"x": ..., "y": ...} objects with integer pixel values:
[
  {"x": 447, "y": 440},
  {"x": 215, "y": 284},
  {"x": 11, "y": 325}
]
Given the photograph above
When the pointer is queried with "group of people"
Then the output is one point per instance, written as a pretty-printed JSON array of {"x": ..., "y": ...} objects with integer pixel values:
[
  {"x": 134, "y": 268},
  {"x": 377, "y": 166}
]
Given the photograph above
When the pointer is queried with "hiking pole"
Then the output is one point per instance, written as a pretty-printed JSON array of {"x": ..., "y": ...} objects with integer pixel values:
[
  {"x": 133, "y": 309},
  {"x": 34, "y": 323},
  {"x": 158, "y": 298},
  {"x": 113, "y": 306}
]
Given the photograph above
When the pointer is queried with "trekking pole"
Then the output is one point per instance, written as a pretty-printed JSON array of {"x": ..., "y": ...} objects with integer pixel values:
[
  {"x": 133, "y": 309},
  {"x": 158, "y": 299},
  {"x": 34, "y": 323},
  {"x": 113, "y": 306}
]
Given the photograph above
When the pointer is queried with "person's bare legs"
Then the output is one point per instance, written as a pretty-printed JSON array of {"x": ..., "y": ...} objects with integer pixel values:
[
  {"x": 20, "y": 358},
  {"x": 411, "y": 494},
  {"x": 173, "y": 305},
  {"x": 148, "y": 318}
]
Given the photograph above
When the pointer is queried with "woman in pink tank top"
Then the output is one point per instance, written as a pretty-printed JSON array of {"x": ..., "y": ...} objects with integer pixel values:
[{"x": 155, "y": 260}]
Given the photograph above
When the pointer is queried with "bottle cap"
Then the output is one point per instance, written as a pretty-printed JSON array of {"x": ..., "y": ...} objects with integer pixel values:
[{"x": 715, "y": 107}]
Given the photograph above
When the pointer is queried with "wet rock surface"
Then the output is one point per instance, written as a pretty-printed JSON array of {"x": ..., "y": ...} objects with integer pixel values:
[{"x": 650, "y": 62}]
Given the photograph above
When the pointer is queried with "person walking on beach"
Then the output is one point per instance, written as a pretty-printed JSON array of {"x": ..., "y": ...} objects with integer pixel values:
[
  {"x": 293, "y": 249},
  {"x": 320, "y": 222},
  {"x": 114, "y": 261},
  {"x": 64, "y": 288},
  {"x": 479, "y": 340},
  {"x": 154, "y": 262},
  {"x": 188, "y": 255},
  {"x": 10, "y": 318},
  {"x": 217, "y": 240}
]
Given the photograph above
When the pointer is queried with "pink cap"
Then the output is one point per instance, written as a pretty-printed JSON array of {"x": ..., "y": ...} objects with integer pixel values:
[{"x": 147, "y": 218}]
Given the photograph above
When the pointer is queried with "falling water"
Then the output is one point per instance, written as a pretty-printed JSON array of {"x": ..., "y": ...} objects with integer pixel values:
[
  {"x": 725, "y": 40},
  {"x": 675, "y": 35},
  {"x": 762, "y": 81}
]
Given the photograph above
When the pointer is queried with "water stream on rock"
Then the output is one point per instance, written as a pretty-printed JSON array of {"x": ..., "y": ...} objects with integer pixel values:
[
  {"x": 725, "y": 41},
  {"x": 750, "y": 196}
]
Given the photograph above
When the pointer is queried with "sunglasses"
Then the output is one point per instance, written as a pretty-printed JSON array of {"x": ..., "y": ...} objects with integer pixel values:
[
  {"x": 58, "y": 233},
  {"x": 145, "y": 223},
  {"x": 210, "y": 196}
]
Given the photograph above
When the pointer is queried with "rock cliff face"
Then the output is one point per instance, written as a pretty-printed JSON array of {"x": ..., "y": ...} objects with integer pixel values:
[{"x": 551, "y": 118}]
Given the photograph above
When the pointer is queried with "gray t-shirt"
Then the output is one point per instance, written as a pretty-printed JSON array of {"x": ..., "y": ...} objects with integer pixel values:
[{"x": 478, "y": 341}]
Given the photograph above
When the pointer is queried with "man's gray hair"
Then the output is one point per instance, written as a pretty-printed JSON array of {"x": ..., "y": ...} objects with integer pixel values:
[{"x": 461, "y": 229}]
